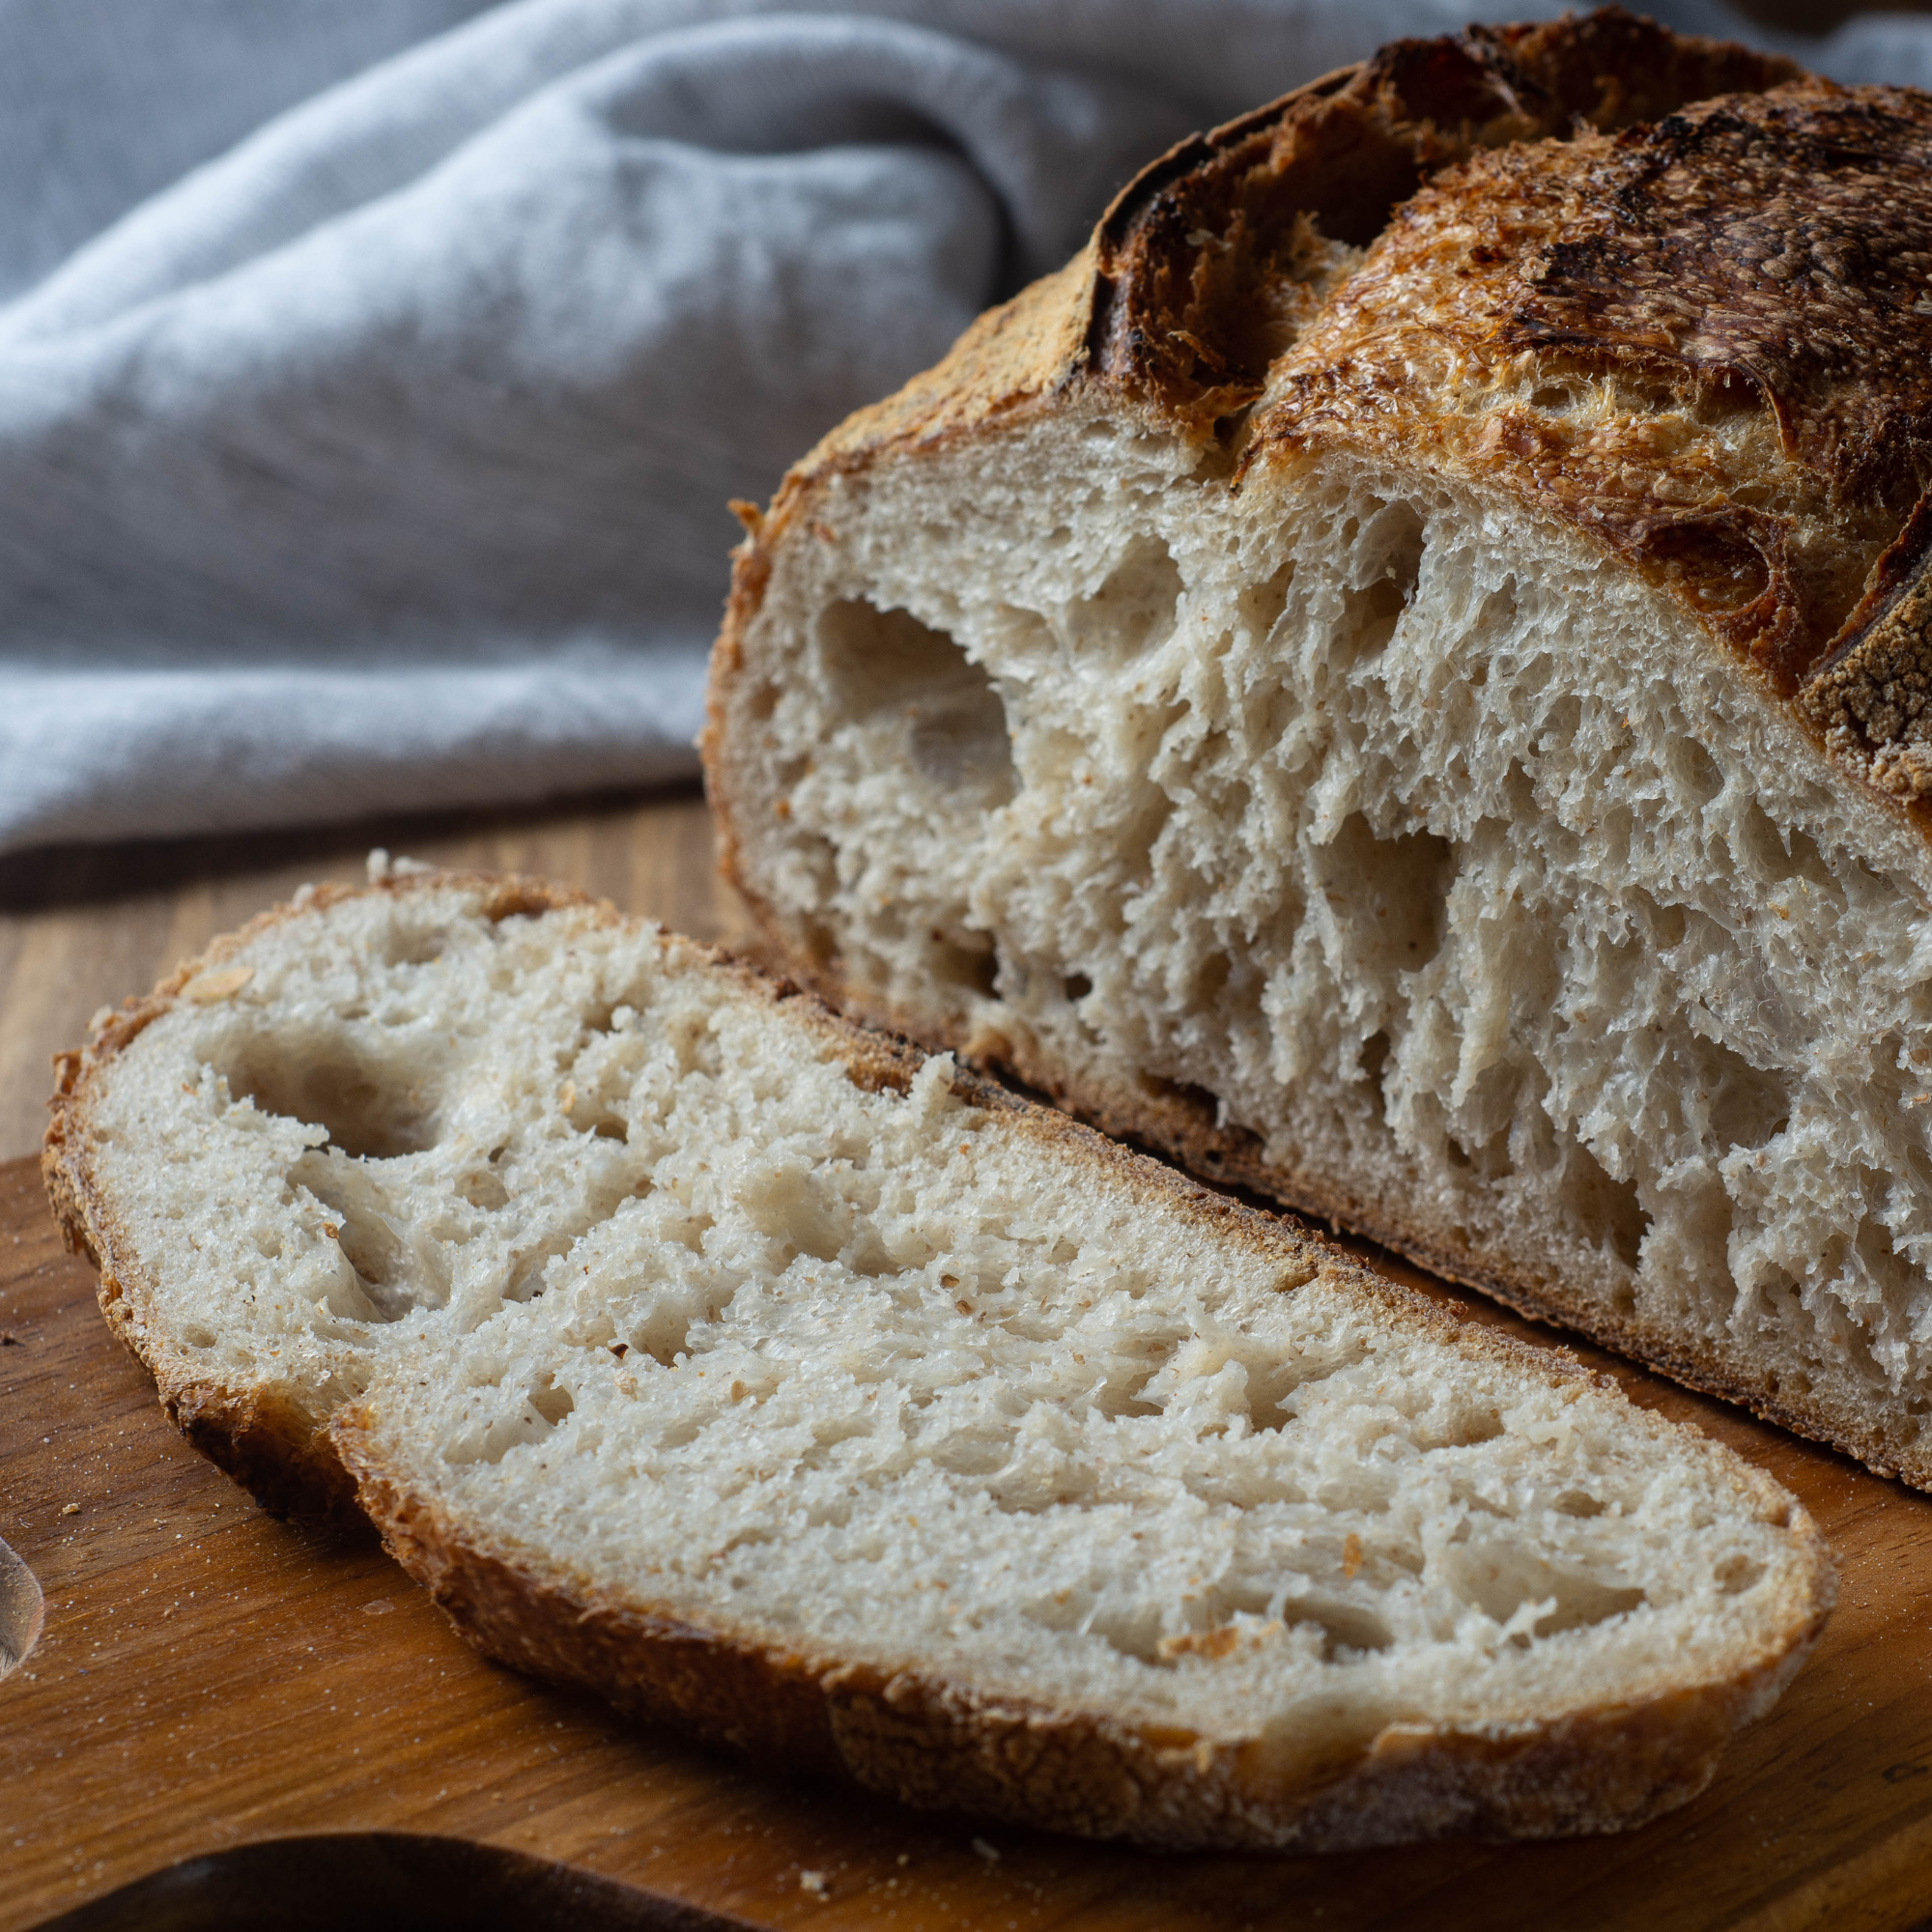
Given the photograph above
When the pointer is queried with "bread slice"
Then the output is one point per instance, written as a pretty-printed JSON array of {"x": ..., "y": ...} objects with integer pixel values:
[
  {"x": 1416, "y": 705},
  {"x": 769, "y": 1376}
]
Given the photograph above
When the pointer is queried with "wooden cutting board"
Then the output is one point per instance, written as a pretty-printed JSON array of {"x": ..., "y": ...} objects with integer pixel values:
[{"x": 210, "y": 1678}]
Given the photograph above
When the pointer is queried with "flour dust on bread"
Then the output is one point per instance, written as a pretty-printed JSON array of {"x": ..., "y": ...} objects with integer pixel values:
[
  {"x": 770, "y": 1378},
  {"x": 1400, "y": 679}
]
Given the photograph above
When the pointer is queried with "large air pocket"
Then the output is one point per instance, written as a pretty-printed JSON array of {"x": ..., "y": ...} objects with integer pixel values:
[{"x": 945, "y": 709}]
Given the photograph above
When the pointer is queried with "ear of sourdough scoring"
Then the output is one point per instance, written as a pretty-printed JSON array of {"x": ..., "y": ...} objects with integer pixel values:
[{"x": 1358, "y": 836}]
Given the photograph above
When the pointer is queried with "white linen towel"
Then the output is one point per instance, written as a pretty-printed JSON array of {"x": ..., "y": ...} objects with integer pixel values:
[{"x": 374, "y": 372}]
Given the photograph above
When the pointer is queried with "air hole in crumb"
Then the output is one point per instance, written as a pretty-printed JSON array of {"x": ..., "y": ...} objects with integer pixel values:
[
  {"x": 1076, "y": 987},
  {"x": 409, "y": 944},
  {"x": 360, "y": 1228},
  {"x": 551, "y": 1400},
  {"x": 973, "y": 968},
  {"x": 1114, "y": 1400},
  {"x": 1134, "y": 609},
  {"x": 1261, "y": 605},
  {"x": 484, "y": 1189},
  {"x": 1344, "y": 1627},
  {"x": 798, "y": 1210},
  {"x": 370, "y": 1106},
  {"x": 591, "y": 1113},
  {"x": 1746, "y": 1105},
  {"x": 1695, "y": 770},
  {"x": 1231, "y": 1616},
  {"x": 1463, "y": 1430},
  {"x": 1391, "y": 893},
  {"x": 957, "y": 739},
  {"x": 1500, "y": 1577},
  {"x": 1666, "y": 922},
  {"x": 1579, "y": 1502},
  {"x": 1487, "y": 1160},
  {"x": 1736, "y": 1574},
  {"x": 1372, "y": 1059},
  {"x": 1609, "y": 1210},
  {"x": 196, "y": 1336},
  {"x": 1204, "y": 1109},
  {"x": 1372, "y": 612},
  {"x": 954, "y": 724}
]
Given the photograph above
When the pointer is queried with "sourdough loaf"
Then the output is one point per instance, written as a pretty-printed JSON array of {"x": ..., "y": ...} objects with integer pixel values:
[
  {"x": 769, "y": 1376},
  {"x": 1400, "y": 679}
]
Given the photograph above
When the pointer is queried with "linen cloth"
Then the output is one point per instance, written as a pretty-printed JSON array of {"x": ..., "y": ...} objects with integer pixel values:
[{"x": 374, "y": 372}]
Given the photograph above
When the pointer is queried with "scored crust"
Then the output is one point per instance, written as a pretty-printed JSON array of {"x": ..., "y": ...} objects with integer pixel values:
[{"x": 1589, "y": 199}]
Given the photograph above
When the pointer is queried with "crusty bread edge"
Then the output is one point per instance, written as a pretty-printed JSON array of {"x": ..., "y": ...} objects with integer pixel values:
[
  {"x": 931, "y": 1741},
  {"x": 267, "y": 1443}
]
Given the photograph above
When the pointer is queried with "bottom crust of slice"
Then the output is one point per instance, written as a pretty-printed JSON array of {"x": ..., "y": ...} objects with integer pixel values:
[{"x": 937, "y": 1744}]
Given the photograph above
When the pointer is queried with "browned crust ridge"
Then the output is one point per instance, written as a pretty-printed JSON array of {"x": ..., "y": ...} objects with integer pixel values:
[
  {"x": 938, "y": 1744},
  {"x": 1725, "y": 254}
]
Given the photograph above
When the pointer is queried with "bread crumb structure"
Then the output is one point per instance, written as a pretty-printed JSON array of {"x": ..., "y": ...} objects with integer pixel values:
[
  {"x": 772, "y": 1377},
  {"x": 1398, "y": 678}
]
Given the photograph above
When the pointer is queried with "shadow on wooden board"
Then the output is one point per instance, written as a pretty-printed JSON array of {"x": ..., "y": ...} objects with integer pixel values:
[
  {"x": 380, "y": 1882},
  {"x": 44, "y": 878}
]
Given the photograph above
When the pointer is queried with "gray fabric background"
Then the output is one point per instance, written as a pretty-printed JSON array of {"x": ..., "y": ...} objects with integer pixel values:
[{"x": 374, "y": 372}]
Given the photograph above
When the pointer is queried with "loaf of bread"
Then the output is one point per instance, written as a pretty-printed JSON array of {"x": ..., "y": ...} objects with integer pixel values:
[
  {"x": 1401, "y": 678},
  {"x": 771, "y": 1377}
]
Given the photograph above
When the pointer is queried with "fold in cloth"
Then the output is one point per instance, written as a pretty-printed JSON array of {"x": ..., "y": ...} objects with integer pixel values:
[{"x": 377, "y": 457}]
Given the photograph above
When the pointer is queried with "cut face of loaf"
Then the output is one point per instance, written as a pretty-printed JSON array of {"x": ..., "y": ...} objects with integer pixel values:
[
  {"x": 1411, "y": 772},
  {"x": 769, "y": 1378}
]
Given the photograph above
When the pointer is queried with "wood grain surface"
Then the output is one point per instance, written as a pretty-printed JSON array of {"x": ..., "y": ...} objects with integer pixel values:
[{"x": 210, "y": 1677}]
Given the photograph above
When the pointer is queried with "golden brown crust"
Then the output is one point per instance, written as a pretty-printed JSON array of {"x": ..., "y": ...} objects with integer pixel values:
[
  {"x": 1697, "y": 342},
  {"x": 1195, "y": 257},
  {"x": 1666, "y": 290},
  {"x": 1871, "y": 697}
]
